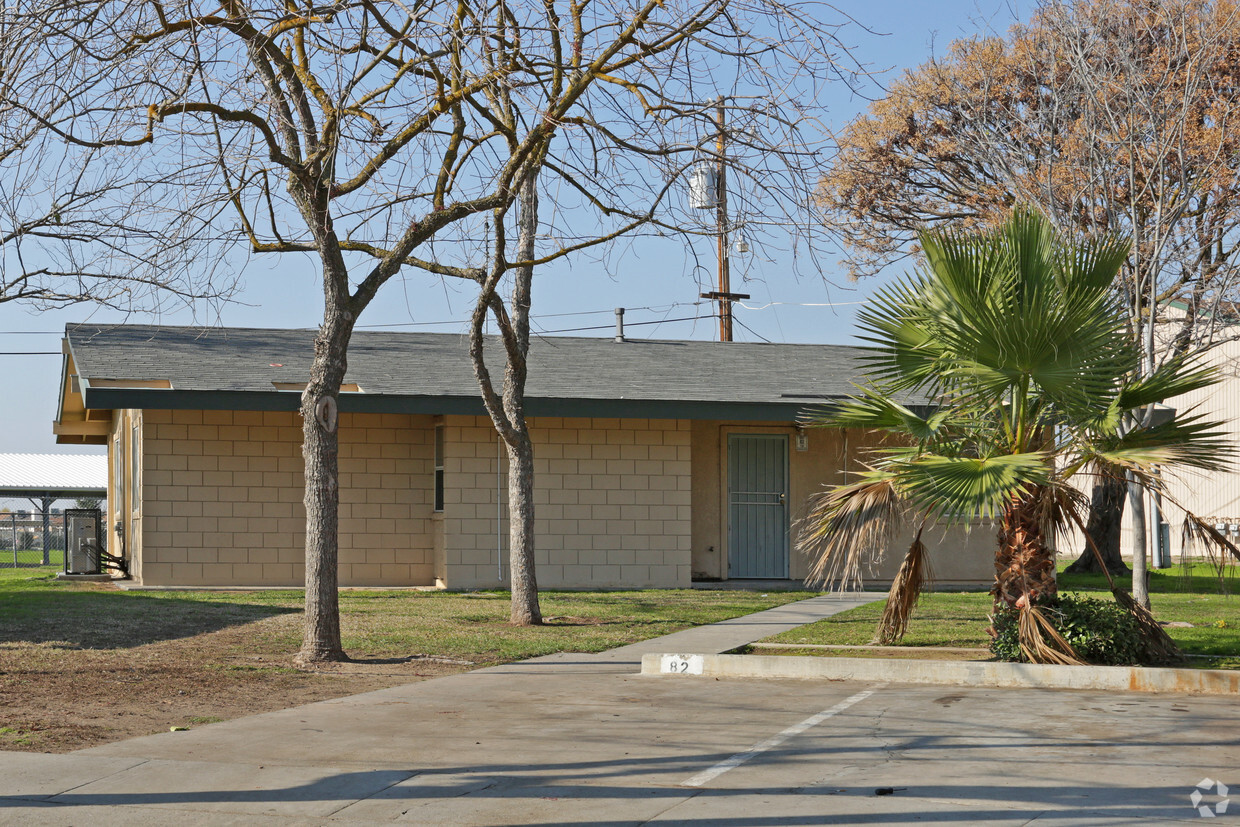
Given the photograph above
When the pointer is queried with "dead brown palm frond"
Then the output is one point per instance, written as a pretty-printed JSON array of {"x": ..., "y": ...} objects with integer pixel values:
[
  {"x": 1207, "y": 534},
  {"x": 912, "y": 578},
  {"x": 1033, "y": 630},
  {"x": 1198, "y": 534},
  {"x": 1157, "y": 644},
  {"x": 1061, "y": 505},
  {"x": 847, "y": 527},
  {"x": 1215, "y": 544}
]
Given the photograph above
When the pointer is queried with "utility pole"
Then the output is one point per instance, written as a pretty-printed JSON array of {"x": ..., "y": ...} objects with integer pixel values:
[{"x": 724, "y": 294}]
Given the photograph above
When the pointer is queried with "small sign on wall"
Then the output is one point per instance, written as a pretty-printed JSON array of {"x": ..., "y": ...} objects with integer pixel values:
[{"x": 802, "y": 441}]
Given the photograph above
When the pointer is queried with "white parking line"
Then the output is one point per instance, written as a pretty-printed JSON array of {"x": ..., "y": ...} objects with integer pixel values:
[{"x": 708, "y": 775}]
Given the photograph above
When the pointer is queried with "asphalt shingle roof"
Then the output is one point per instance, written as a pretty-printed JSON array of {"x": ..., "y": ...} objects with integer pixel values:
[{"x": 436, "y": 365}]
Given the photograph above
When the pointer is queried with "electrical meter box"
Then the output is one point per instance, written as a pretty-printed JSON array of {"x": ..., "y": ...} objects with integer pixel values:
[{"x": 83, "y": 534}]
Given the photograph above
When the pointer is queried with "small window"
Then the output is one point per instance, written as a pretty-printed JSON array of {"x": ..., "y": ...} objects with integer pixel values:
[
  {"x": 439, "y": 468},
  {"x": 135, "y": 468}
]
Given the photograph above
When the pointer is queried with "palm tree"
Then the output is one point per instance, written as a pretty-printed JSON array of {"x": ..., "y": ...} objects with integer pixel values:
[{"x": 1015, "y": 343}]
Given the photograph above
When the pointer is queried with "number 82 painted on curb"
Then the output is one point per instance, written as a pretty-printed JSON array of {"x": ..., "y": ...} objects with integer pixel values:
[{"x": 680, "y": 664}]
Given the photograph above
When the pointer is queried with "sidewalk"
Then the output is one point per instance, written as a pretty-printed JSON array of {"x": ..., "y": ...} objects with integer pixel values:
[{"x": 392, "y": 753}]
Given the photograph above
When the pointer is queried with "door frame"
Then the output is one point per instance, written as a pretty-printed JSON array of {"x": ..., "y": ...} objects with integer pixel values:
[{"x": 725, "y": 512}]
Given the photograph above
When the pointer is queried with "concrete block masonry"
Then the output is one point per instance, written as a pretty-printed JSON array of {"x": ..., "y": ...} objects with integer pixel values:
[{"x": 951, "y": 673}]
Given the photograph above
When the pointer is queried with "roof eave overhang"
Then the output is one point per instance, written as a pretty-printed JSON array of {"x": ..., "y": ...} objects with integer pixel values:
[{"x": 216, "y": 400}]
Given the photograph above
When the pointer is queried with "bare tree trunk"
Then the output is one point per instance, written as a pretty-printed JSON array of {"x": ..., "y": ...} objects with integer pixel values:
[
  {"x": 1106, "y": 517},
  {"x": 320, "y": 450},
  {"x": 508, "y": 412},
  {"x": 1140, "y": 568},
  {"x": 525, "y": 608}
]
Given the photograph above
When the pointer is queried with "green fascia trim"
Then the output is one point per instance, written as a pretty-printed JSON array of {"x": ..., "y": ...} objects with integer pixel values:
[{"x": 159, "y": 399}]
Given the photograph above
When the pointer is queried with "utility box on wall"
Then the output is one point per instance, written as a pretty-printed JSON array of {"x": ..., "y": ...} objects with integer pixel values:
[{"x": 83, "y": 540}]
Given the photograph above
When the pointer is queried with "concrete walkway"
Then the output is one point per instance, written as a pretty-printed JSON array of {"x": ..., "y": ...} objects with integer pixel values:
[{"x": 573, "y": 739}]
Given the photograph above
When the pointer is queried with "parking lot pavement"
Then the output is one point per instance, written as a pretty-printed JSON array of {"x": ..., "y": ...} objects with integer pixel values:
[{"x": 574, "y": 739}]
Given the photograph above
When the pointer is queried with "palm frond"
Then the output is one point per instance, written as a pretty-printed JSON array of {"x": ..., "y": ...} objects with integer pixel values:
[
  {"x": 872, "y": 410},
  {"x": 969, "y": 487},
  {"x": 1198, "y": 531},
  {"x": 1174, "y": 378},
  {"x": 1197, "y": 534},
  {"x": 912, "y": 578},
  {"x": 1190, "y": 441},
  {"x": 849, "y": 527},
  {"x": 1018, "y": 303},
  {"x": 1060, "y": 507},
  {"x": 1157, "y": 644},
  {"x": 1032, "y": 632}
]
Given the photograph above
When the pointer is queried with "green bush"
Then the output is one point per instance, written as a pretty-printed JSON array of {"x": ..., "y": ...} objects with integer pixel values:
[{"x": 1099, "y": 630}]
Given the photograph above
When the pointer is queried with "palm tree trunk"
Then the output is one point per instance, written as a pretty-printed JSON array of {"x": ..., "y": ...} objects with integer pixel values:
[{"x": 1024, "y": 562}]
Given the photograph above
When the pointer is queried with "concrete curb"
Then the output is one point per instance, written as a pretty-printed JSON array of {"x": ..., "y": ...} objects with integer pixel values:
[{"x": 953, "y": 673}]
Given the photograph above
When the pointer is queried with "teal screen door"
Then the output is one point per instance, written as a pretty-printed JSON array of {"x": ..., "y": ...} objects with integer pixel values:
[{"x": 757, "y": 506}]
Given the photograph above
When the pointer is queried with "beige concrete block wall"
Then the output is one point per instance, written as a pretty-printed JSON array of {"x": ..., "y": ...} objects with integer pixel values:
[
  {"x": 958, "y": 554},
  {"x": 223, "y": 499},
  {"x": 612, "y": 503}
]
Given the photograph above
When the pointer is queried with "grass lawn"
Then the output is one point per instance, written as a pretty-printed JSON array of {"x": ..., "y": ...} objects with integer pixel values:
[
  {"x": 959, "y": 619},
  {"x": 35, "y": 608},
  {"x": 83, "y": 663}
]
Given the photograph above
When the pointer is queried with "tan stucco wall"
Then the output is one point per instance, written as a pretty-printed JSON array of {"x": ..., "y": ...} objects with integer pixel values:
[
  {"x": 223, "y": 499},
  {"x": 612, "y": 502},
  {"x": 958, "y": 555}
]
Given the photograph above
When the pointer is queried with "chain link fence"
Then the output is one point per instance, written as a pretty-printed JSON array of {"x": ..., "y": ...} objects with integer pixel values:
[{"x": 26, "y": 541}]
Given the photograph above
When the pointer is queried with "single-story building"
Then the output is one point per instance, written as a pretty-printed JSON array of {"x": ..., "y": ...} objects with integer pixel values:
[{"x": 658, "y": 463}]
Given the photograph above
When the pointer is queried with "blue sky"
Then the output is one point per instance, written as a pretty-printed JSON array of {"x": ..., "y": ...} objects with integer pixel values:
[{"x": 651, "y": 284}]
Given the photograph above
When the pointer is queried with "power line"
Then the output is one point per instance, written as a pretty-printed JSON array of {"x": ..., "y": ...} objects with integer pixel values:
[
  {"x": 802, "y": 304},
  {"x": 538, "y": 316},
  {"x": 627, "y": 325},
  {"x": 751, "y": 330}
]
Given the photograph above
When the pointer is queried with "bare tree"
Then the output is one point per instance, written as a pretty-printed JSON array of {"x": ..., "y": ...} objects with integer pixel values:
[
  {"x": 644, "y": 132},
  {"x": 56, "y": 198},
  {"x": 377, "y": 135}
]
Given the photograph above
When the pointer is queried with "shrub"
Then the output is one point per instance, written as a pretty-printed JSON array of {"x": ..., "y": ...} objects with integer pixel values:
[{"x": 1099, "y": 630}]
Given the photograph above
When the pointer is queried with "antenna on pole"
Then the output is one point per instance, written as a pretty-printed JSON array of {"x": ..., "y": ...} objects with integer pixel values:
[{"x": 701, "y": 196}]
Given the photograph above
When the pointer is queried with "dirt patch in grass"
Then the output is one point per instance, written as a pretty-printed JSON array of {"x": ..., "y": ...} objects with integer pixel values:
[{"x": 57, "y": 698}]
